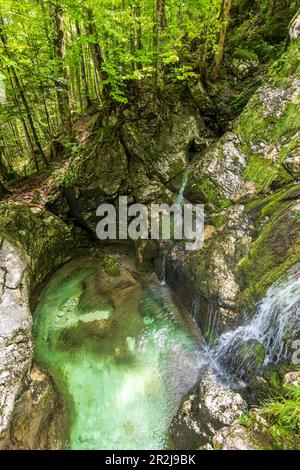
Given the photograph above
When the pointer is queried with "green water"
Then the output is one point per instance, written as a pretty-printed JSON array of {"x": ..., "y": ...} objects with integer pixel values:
[{"x": 121, "y": 352}]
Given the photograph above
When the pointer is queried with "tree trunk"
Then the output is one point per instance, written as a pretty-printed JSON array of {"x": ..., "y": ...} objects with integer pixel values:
[
  {"x": 61, "y": 83},
  {"x": 29, "y": 117},
  {"x": 3, "y": 190},
  {"x": 3, "y": 170},
  {"x": 224, "y": 19},
  {"x": 82, "y": 69},
  {"x": 159, "y": 27},
  {"x": 96, "y": 52}
]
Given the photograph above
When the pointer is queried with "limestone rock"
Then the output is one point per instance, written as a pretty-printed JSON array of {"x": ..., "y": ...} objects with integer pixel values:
[
  {"x": 16, "y": 346},
  {"x": 39, "y": 420},
  {"x": 163, "y": 132},
  {"x": 206, "y": 409},
  {"x": 235, "y": 437},
  {"x": 218, "y": 176},
  {"x": 250, "y": 158},
  {"x": 294, "y": 31},
  {"x": 32, "y": 243}
]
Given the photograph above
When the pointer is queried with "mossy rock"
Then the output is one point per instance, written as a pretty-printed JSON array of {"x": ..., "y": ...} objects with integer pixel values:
[
  {"x": 276, "y": 249},
  {"x": 111, "y": 266}
]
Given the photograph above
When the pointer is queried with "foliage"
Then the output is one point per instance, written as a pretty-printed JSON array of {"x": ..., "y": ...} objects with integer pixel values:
[{"x": 60, "y": 57}]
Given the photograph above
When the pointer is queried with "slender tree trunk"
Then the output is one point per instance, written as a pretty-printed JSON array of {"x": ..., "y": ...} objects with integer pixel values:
[
  {"x": 159, "y": 27},
  {"x": 36, "y": 139},
  {"x": 138, "y": 13},
  {"x": 224, "y": 18},
  {"x": 82, "y": 69},
  {"x": 61, "y": 83},
  {"x": 96, "y": 51},
  {"x": 3, "y": 190}
]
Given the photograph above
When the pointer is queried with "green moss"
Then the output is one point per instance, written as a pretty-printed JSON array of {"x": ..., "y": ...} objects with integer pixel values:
[
  {"x": 217, "y": 220},
  {"x": 111, "y": 267},
  {"x": 245, "y": 54},
  {"x": 275, "y": 250},
  {"x": 210, "y": 193},
  {"x": 287, "y": 65},
  {"x": 176, "y": 167}
]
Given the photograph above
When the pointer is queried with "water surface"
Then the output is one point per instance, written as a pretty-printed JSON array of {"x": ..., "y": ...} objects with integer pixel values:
[{"x": 120, "y": 349}]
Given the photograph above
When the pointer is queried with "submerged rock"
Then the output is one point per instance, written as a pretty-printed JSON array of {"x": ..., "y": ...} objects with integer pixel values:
[{"x": 39, "y": 421}]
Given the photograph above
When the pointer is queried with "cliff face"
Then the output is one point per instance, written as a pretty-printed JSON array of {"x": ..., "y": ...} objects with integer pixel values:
[{"x": 249, "y": 182}]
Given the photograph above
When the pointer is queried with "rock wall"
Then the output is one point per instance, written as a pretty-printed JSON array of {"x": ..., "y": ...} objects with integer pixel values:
[{"x": 32, "y": 243}]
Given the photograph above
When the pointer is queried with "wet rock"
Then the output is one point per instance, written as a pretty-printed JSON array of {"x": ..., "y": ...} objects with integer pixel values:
[
  {"x": 206, "y": 409},
  {"x": 242, "y": 359},
  {"x": 40, "y": 420}
]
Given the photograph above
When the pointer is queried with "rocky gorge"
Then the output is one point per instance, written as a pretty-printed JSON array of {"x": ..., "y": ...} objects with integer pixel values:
[{"x": 247, "y": 173}]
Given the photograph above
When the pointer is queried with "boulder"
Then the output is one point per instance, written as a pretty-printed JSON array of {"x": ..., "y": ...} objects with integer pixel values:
[
  {"x": 158, "y": 131},
  {"x": 39, "y": 421}
]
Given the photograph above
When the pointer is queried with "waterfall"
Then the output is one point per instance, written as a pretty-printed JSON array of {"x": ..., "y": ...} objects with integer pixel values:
[
  {"x": 265, "y": 339},
  {"x": 163, "y": 271},
  {"x": 181, "y": 199}
]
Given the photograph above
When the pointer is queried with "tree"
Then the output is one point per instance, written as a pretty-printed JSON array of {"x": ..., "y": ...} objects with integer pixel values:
[
  {"x": 159, "y": 26},
  {"x": 61, "y": 82},
  {"x": 224, "y": 20}
]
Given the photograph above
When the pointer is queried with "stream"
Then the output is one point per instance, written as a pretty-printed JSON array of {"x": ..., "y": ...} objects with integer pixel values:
[{"x": 122, "y": 352}]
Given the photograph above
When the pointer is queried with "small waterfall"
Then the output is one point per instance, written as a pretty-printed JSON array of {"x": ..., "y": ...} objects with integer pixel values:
[
  {"x": 267, "y": 338},
  {"x": 163, "y": 271},
  {"x": 181, "y": 199}
]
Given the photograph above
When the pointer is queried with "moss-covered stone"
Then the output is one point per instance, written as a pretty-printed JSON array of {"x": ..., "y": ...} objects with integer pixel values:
[{"x": 111, "y": 266}]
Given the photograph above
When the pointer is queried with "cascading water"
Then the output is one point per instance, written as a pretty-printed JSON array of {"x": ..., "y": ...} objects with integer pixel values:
[
  {"x": 267, "y": 338},
  {"x": 181, "y": 199},
  {"x": 163, "y": 271}
]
